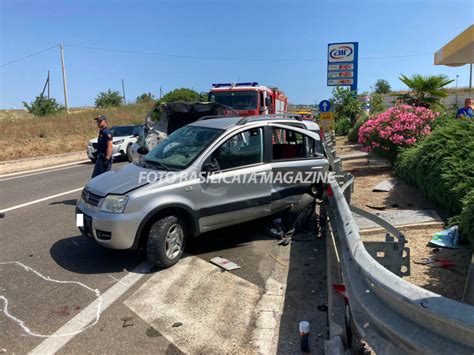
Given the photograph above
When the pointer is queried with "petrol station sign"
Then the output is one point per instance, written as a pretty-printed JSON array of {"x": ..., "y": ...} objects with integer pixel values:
[{"x": 342, "y": 64}]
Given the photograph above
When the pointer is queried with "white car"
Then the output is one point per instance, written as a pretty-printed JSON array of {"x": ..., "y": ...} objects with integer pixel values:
[{"x": 123, "y": 138}]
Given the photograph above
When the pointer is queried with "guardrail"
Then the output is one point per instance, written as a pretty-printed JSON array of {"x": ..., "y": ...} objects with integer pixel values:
[{"x": 392, "y": 315}]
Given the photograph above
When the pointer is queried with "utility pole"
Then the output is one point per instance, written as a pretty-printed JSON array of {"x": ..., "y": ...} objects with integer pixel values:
[
  {"x": 61, "y": 47},
  {"x": 457, "y": 76},
  {"x": 123, "y": 91},
  {"x": 470, "y": 77},
  {"x": 48, "y": 86}
]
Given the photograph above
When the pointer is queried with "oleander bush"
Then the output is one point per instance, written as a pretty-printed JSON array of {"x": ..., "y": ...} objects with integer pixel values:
[{"x": 398, "y": 127}]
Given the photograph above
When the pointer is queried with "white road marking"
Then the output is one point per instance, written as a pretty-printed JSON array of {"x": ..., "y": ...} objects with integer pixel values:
[
  {"x": 54, "y": 343},
  {"x": 68, "y": 332},
  {"x": 48, "y": 169},
  {"x": 40, "y": 200},
  {"x": 216, "y": 308}
]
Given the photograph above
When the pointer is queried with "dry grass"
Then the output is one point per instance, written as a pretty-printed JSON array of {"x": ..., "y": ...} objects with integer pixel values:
[{"x": 23, "y": 135}]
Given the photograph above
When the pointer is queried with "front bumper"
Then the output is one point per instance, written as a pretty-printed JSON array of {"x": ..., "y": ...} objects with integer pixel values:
[{"x": 111, "y": 230}]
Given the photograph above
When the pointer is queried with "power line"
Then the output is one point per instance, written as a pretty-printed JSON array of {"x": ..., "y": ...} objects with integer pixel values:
[
  {"x": 28, "y": 56},
  {"x": 230, "y": 58}
]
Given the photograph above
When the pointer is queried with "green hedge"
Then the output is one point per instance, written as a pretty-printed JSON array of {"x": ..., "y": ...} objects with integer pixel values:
[
  {"x": 353, "y": 135},
  {"x": 442, "y": 165}
]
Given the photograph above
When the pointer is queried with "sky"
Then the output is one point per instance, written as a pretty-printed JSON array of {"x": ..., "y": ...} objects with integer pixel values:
[{"x": 186, "y": 43}]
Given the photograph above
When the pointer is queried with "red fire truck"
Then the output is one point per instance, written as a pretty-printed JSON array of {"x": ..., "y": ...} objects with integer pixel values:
[{"x": 249, "y": 99}]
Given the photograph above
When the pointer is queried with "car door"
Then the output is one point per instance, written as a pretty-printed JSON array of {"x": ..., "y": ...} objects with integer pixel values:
[
  {"x": 297, "y": 163},
  {"x": 238, "y": 189}
]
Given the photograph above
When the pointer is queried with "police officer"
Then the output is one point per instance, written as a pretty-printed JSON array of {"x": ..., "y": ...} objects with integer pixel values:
[{"x": 104, "y": 148}]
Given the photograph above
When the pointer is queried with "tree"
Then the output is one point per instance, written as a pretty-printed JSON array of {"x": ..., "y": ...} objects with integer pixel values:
[
  {"x": 346, "y": 103},
  {"x": 425, "y": 91},
  {"x": 382, "y": 87},
  {"x": 182, "y": 94},
  {"x": 145, "y": 98},
  {"x": 108, "y": 99},
  {"x": 377, "y": 104},
  {"x": 43, "y": 106}
]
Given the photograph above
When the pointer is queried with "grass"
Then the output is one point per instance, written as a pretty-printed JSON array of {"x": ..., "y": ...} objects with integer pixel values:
[{"x": 23, "y": 135}]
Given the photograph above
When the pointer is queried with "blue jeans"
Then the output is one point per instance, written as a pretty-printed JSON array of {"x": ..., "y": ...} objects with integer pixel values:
[{"x": 101, "y": 166}]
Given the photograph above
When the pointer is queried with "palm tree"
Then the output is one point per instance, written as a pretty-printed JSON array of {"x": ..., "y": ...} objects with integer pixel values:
[{"x": 425, "y": 90}]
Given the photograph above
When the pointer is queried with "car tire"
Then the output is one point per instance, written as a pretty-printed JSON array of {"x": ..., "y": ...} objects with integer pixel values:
[
  {"x": 166, "y": 240},
  {"x": 129, "y": 152}
]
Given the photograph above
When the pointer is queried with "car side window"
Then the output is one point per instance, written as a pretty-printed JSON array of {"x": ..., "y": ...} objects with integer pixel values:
[
  {"x": 287, "y": 144},
  {"x": 245, "y": 148}
]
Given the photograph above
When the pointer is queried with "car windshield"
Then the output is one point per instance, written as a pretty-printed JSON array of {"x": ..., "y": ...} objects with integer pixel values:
[
  {"x": 238, "y": 100},
  {"x": 181, "y": 147},
  {"x": 122, "y": 131}
]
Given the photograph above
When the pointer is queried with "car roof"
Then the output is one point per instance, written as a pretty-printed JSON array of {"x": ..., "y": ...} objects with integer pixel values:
[
  {"x": 218, "y": 122},
  {"x": 229, "y": 122}
]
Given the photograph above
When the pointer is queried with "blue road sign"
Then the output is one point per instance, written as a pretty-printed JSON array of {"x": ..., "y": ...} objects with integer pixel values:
[{"x": 324, "y": 106}]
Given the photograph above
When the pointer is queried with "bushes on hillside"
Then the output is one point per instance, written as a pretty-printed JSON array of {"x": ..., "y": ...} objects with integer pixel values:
[
  {"x": 108, "y": 99},
  {"x": 400, "y": 126},
  {"x": 43, "y": 106},
  {"x": 442, "y": 166}
]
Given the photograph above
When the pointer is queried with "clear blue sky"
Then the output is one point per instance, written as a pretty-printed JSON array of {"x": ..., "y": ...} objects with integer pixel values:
[{"x": 277, "y": 43}]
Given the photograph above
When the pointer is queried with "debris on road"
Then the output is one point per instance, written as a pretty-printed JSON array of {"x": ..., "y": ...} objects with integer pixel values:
[
  {"x": 127, "y": 322},
  {"x": 304, "y": 336},
  {"x": 449, "y": 238},
  {"x": 322, "y": 308},
  {"x": 278, "y": 261},
  {"x": 177, "y": 324},
  {"x": 385, "y": 185},
  {"x": 224, "y": 263},
  {"x": 2, "y": 215},
  {"x": 444, "y": 263}
]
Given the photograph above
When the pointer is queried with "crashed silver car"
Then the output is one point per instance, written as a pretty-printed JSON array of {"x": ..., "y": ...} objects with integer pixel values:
[{"x": 207, "y": 175}]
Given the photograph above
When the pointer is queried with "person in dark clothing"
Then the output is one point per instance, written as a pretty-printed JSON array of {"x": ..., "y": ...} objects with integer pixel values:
[{"x": 104, "y": 148}]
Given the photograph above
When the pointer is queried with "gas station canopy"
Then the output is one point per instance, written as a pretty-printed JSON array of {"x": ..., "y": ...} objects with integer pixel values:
[{"x": 458, "y": 51}]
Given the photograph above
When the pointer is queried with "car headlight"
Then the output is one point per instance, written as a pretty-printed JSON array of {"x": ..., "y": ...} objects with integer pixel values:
[
  {"x": 114, "y": 203},
  {"x": 118, "y": 142}
]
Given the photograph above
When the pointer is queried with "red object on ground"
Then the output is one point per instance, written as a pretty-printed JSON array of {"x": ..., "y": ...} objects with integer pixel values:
[{"x": 341, "y": 289}]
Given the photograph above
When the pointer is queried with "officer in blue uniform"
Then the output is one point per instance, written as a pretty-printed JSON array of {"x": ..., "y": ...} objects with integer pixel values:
[{"x": 104, "y": 148}]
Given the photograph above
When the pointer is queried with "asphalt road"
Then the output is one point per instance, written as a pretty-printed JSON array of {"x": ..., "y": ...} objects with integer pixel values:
[{"x": 60, "y": 292}]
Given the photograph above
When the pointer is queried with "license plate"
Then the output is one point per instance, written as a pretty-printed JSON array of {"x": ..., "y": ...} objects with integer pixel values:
[{"x": 79, "y": 220}]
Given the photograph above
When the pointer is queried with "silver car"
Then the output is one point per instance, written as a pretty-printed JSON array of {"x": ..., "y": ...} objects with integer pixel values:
[{"x": 210, "y": 174}]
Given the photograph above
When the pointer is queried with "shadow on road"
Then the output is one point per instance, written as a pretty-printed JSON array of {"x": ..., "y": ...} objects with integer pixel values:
[
  {"x": 305, "y": 292},
  {"x": 71, "y": 202},
  {"x": 81, "y": 255}
]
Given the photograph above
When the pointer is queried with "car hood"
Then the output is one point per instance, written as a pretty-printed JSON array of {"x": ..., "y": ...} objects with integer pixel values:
[
  {"x": 120, "y": 181},
  {"x": 114, "y": 139}
]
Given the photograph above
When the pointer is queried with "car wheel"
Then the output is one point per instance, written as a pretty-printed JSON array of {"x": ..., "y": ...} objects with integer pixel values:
[
  {"x": 129, "y": 152},
  {"x": 166, "y": 240}
]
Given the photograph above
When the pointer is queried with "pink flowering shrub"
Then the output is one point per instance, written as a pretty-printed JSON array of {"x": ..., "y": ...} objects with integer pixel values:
[{"x": 400, "y": 126}]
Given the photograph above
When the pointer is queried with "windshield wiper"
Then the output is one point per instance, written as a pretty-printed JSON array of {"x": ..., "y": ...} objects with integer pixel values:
[{"x": 156, "y": 164}]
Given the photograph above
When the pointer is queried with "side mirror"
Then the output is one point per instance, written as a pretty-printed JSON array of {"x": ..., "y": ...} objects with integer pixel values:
[
  {"x": 268, "y": 101},
  {"x": 262, "y": 109},
  {"x": 209, "y": 168},
  {"x": 142, "y": 150}
]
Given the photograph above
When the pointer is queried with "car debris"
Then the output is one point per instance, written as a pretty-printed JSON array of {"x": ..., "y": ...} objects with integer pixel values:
[
  {"x": 224, "y": 263},
  {"x": 385, "y": 186},
  {"x": 448, "y": 238}
]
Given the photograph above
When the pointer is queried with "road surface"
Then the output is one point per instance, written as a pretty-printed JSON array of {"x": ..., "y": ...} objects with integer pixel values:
[{"x": 60, "y": 292}]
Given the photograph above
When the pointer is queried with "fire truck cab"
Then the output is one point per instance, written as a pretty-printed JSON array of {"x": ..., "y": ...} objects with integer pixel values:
[{"x": 249, "y": 99}]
